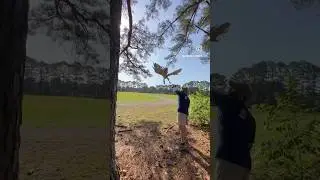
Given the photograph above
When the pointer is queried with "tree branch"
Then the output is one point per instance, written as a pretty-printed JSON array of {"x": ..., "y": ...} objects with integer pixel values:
[
  {"x": 179, "y": 16},
  {"x": 191, "y": 20},
  {"x": 130, "y": 27},
  {"x": 206, "y": 32}
]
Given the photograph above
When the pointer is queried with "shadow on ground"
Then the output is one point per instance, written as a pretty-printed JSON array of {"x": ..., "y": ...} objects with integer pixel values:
[{"x": 147, "y": 151}]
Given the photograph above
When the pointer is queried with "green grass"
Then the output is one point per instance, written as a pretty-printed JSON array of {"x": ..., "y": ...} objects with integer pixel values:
[
  {"x": 54, "y": 111},
  {"x": 50, "y": 111},
  {"x": 169, "y": 96},
  {"x": 260, "y": 117},
  {"x": 262, "y": 133},
  {"x": 133, "y": 97},
  {"x": 164, "y": 115},
  {"x": 128, "y": 97}
]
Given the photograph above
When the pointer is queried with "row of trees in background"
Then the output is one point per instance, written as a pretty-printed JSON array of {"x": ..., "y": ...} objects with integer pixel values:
[
  {"x": 134, "y": 86},
  {"x": 64, "y": 79},
  {"x": 268, "y": 79}
]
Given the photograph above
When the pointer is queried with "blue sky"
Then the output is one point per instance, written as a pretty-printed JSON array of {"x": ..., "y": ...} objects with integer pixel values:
[{"x": 192, "y": 68}]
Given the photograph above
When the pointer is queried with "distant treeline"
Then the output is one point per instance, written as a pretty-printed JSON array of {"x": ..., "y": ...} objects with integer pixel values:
[
  {"x": 57, "y": 87},
  {"x": 268, "y": 79},
  {"x": 64, "y": 79}
]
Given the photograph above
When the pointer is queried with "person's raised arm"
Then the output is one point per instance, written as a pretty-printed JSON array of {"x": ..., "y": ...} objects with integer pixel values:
[{"x": 176, "y": 89}]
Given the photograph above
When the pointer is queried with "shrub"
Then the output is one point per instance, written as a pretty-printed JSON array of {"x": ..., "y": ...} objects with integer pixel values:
[
  {"x": 200, "y": 108},
  {"x": 291, "y": 151}
]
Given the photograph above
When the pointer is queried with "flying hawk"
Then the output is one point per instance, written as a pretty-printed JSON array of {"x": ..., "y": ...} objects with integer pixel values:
[{"x": 163, "y": 71}]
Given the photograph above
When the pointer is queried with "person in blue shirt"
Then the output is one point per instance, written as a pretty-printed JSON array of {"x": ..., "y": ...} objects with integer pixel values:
[
  {"x": 235, "y": 132},
  {"x": 183, "y": 113}
]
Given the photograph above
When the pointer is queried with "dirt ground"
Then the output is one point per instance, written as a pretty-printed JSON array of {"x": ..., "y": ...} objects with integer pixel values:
[
  {"x": 148, "y": 152},
  {"x": 143, "y": 152}
]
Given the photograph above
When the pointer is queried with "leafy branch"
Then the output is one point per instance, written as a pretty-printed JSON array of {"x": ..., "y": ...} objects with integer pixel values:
[{"x": 86, "y": 25}]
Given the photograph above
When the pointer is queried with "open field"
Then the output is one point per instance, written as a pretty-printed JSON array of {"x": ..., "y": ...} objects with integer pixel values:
[
  {"x": 47, "y": 111},
  {"x": 64, "y": 138},
  {"x": 132, "y": 97}
]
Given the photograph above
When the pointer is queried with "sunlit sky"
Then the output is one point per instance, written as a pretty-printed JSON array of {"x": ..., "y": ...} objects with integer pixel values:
[{"x": 192, "y": 68}]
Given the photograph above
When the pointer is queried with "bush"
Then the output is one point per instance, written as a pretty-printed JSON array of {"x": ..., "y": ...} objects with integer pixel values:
[
  {"x": 200, "y": 108},
  {"x": 292, "y": 149}
]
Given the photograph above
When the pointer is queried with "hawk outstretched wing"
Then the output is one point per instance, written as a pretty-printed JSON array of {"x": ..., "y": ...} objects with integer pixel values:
[
  {"x": 163, "y": 71},
  {"x": 176, "y": 72}
]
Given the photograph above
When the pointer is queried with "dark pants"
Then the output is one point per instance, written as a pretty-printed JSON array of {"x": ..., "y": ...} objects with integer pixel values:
[{"x": 229, "y": 171}]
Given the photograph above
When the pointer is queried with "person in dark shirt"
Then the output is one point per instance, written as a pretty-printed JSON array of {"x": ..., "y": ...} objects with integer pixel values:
[
  {"x": 183, "y": 113},
  {"x": 235, "y": 135}
]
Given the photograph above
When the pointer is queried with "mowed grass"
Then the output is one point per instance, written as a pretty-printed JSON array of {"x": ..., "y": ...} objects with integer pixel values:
[
  {"x": 53, "y": 111},
  {"x": 261, "y": 117},
  {"x": 165, "y": 115},
  {"x": 168, "y": 96},
  {"x": 133, "y": 97}
]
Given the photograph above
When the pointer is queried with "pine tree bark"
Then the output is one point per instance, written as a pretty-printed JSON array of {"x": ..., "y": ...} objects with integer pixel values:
[
  {"x": 115, "y": 12},
  {"x": 213, "y": 130},
  {"x": 13, "y": 39}
]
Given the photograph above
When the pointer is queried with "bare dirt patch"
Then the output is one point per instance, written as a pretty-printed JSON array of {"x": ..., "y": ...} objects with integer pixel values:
[
  {"x": 143, "y": 152},
  {"x": 149, "y": 152}
]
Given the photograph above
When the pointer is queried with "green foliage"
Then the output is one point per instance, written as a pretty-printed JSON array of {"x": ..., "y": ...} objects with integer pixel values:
[
  {"x": 200, "y": 108},
  {"x": 191, "y": 18},
  {"x": 293, "y": 150},
  {"x": 262, "y": 107}
]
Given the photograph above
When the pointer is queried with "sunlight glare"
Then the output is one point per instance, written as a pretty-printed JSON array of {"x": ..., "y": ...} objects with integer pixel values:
[{"x": 124, "y": 23}]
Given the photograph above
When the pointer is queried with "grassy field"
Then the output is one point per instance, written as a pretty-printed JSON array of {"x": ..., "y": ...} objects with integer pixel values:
[
  {"x": 169, "y": 96},
  {"x": 46, "y": 111},
  {"x": 132, "y": 97},
  {"x": 50, "y": 111}
]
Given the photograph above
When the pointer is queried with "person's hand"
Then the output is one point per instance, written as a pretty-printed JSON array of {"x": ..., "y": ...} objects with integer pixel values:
[{"x": 175, "y": 87}]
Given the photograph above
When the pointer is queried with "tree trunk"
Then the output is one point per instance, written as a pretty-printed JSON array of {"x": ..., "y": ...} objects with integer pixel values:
[
  {"x": 13, "y": 39},
  {"x": 213, "y": 129},
  {"x": 115, "y": 12}
]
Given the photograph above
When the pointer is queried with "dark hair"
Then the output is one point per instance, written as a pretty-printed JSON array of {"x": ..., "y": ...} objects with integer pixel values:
[
  {"x": 244, "y": 92},
  {"x": 185, "y": 89}
]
